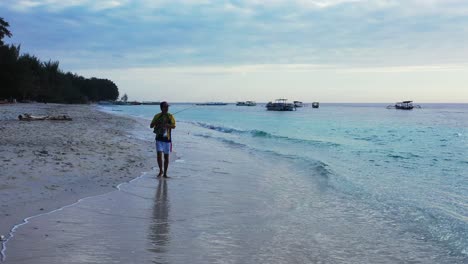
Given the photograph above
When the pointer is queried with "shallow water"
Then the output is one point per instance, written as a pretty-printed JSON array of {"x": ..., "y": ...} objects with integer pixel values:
[{"x": 247, "y": 190}]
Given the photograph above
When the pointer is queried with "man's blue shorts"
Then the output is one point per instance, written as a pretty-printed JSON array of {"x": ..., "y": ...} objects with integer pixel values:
[{"x": 164, "y": 147}]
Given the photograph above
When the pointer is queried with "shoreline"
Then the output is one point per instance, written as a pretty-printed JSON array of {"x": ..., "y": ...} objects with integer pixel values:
[{"x": 46, "y": 165}]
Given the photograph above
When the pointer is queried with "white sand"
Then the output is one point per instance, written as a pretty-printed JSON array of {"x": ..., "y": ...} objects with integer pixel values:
[{"x": 48, "y": 164}]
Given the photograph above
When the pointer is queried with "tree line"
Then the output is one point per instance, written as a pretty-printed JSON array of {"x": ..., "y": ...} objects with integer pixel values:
[{"x": 25, "y": 77}]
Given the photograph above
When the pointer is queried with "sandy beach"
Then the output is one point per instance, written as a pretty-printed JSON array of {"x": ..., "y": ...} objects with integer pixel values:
[{"x": 48, "y": 164}]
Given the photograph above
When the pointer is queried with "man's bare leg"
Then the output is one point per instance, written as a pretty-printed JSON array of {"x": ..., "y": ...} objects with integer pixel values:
[
  {"x": 166, "y": 165},
  {"x": 159, "y": 155}
]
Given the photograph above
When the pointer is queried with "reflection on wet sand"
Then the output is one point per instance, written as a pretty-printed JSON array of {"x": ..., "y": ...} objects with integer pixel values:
[{"x": 159, "y": 227}]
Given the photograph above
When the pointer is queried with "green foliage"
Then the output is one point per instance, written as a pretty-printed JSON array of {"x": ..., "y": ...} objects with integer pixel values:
[
  {"x": 4, "y": 30},
  {"x": 25, "y": 77}
]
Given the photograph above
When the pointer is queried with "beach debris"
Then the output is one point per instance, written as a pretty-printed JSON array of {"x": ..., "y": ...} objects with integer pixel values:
[
  {"x": 41, "y": 153},
  {"x": 29, "y": 117}
]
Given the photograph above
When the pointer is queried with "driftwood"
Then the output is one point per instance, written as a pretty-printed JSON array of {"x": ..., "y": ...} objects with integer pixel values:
[{"x": 29, "y": 117}]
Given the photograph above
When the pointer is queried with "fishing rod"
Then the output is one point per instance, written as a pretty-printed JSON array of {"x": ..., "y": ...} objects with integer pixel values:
[{"x": 184, "y": 109}]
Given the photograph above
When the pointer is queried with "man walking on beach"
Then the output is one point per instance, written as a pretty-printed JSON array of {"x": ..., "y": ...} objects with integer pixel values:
[{"x": 163, "y": 123}]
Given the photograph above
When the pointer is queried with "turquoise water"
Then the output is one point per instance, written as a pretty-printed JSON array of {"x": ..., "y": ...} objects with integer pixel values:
[{"x": 410, "y": 167}]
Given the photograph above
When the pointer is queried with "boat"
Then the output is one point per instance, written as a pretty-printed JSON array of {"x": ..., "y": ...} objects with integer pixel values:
[
  {"x": 404, "y": 105},
  {"x": 280, "y": 105},
  {"x": 150, "y": 103},
  {"x": 212, "y": 103},
  {"x": 315, "y": 105},
  {"x": 246, "y": 103},
  {"x": 298, "y": 104}
]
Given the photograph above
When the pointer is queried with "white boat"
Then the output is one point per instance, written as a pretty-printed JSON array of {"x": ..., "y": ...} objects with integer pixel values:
[
  {"x": 280, "y": 105},
  {"x": 298, "y": 104}
]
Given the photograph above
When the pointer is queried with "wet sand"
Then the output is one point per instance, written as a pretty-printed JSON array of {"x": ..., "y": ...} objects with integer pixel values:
[{"x": 48, "y": 164}]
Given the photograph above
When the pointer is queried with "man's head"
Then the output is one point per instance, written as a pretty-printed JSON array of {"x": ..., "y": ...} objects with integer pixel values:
[{"x": 164, "y": 106}]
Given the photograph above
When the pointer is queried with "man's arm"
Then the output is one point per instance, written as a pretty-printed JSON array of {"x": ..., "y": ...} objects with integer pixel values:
[
  {"x": 172, "y": 124},
  {"x": 154, "y": 121}
]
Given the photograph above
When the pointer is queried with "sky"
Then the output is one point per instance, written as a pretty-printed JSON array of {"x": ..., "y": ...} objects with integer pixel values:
[{"x": 307, "y": 50}]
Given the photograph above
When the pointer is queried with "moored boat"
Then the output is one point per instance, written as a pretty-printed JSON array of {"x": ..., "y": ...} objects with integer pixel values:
[
  {"x": 246, "y": 103},
  {"x": 298, "y": 104},
  {"x": 404, "y": 105},
  {"x": 280, "y": 105},
  {"x": 315, "y": 105}
]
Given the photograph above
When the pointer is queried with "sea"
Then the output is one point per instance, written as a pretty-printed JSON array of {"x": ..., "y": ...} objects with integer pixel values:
[{"x": 344, "y": 183}]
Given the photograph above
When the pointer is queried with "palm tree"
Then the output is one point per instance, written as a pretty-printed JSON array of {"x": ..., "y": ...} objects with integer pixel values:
[
  {"x": 4, "y": 30},
  {"x": 51, "y": 79}
]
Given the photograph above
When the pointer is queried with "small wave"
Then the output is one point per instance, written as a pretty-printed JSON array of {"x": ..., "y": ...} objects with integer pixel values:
[
  {"x": 437, "y": 223},
  {"x": 218, "y": 128},
  {"x": 322, "y": 169},
  {"x": 233, "y": 143},
  {"x": 372, "y": 138},
  {"x": 260, "y": 133},
  {"x": 403, "y": 156},
  {"x": 224, "y": 140},
  {"x": 264, "y": 134},
  {"x": 314, "y": 168},
  {"x": 396, "y": 156}
]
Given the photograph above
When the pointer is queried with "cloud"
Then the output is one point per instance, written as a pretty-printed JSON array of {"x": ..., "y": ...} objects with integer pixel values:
[
  {"x": 144, "y": 33},
  {"x": 409, "y": 6},
  {"x": 412, "y": 69},
  {"x": 59, "y": 5},
  {"x": 236, "y": 70},
  {"x": 22, "y": 5}
]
